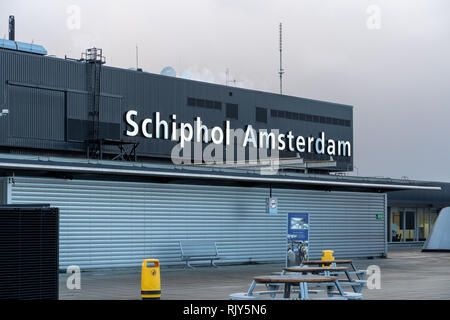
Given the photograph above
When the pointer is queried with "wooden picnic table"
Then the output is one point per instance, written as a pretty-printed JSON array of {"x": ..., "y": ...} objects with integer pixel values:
[
  {"x": 327, "y": 271},
  {"x": 315, "y": 270},
  {"x": 333, "y": 263},
  {"x": 327, "y": 262},
  {"x": 301, "y": 280},
  {"x": 292, "y": 279}
]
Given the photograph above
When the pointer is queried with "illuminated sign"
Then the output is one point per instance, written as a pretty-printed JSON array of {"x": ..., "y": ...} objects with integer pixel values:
[{"x": 198, "y": 132}]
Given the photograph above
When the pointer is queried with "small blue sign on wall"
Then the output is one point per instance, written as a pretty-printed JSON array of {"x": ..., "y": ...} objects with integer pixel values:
[
  {"x": 298, "y": 227},
  {"x": 272, "y": 205}
]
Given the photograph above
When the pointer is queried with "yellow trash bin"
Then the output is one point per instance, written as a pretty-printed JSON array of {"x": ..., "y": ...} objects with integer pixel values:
[
  {"x": 327, "y": 256},
  {"x": 150, "y": 280}
]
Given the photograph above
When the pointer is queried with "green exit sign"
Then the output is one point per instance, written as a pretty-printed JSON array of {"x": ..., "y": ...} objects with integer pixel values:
[{"x": 380, "y": 216}]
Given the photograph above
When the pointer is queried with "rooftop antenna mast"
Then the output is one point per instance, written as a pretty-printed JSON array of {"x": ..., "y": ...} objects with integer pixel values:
[
  {"x": 281, "y": 71},
  {"x": 228, "y": 80},
  {"x": 137, "y": 57}
]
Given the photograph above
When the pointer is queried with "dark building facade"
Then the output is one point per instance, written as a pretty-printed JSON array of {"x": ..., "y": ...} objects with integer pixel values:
[{"x": 54, "y": 106}]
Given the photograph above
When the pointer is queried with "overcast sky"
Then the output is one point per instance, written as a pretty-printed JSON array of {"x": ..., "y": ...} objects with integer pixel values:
[{"x": 390, "y": 59}]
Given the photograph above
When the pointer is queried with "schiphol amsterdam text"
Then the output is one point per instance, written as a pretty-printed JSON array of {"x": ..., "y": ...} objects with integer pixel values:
[{"x": 185, "y": 133}]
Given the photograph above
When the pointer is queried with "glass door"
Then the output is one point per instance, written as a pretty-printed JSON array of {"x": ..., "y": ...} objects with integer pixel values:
[
  {"x": 423, "y": 223},
  {"x": 410, "y": 224},
  {"x": 396, "y": 225},
  {"x": 433, "y": 216}
]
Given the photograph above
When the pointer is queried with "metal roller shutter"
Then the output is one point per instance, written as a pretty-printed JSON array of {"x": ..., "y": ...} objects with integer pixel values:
[
  {"x": 117, "y": 224},
  {"x": 345, "y": 222}
]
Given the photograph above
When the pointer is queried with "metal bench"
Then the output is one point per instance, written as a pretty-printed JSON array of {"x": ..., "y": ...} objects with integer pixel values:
[{"x": 198, "y": 250}]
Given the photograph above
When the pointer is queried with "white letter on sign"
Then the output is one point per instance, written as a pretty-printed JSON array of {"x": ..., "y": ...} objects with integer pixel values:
[{"x": 132, "y": 113}]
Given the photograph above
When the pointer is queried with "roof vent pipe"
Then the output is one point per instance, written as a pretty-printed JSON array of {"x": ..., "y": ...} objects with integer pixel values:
[{"x": 12, "y": 28}]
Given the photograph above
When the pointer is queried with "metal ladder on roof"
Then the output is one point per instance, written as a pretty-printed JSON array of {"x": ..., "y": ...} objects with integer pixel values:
[{"x": 94, "y": 60}]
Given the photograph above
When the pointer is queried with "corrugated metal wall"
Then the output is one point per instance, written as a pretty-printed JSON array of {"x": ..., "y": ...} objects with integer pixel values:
[
  {"x": 117, "y": 224},
  {"x": 28, "y": 106},
  {"x": 345, "y": 222}
]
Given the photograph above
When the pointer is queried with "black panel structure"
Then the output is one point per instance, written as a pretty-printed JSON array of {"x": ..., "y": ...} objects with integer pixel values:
[{"x": 29, "y": 238}]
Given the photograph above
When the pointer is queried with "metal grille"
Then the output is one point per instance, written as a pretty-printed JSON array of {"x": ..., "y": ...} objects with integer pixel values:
[{"x": 28, "y": 253}]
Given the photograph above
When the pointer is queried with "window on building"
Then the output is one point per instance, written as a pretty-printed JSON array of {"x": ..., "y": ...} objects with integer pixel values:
[
  {"x": 191, "y": 102},
  {"x": 209, "y": 104},
  {"x": 232, "y": 111},
  {"x": 396, "y": 225},
  {"x": 411, "y": 224},
  {"x": 309, "y": 117},
  {"x": 200, "y": 103},
  {"x": 261, "y": 115},
  {"x": 433, "y": 216},
  {"x": 423, "y": 224},
  {"x": 203, "y": 103}
]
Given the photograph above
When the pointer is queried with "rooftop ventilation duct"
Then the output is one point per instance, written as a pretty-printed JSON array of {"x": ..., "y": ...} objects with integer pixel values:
[
  {"x": 12, "y": 44},
  {"x": 12, "y": 28}
]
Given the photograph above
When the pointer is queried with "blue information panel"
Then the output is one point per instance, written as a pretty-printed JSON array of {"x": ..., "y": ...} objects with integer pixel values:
[{"x": 298, "y": 227}]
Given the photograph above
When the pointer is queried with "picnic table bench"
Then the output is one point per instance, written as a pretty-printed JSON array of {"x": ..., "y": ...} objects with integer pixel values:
[
  {"x": 315, "y": 270},
  {"x": 334, "y": 290},
  {"x": 314, "y": 262},
  {"x": 356, "y": 285},
  {"x": 334, "y": 263},
  {"x": 198, "y": 250}
]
